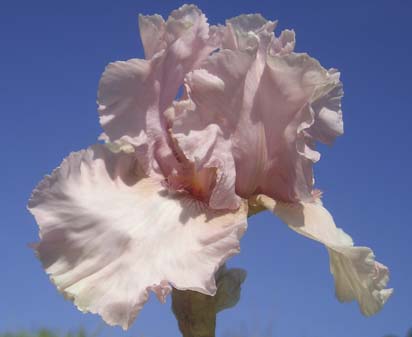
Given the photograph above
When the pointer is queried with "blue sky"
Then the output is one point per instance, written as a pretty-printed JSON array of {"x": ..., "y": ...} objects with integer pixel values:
[{"x": 52, "y": 55}]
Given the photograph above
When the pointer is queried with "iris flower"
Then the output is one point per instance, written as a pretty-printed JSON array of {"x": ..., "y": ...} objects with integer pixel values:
[{"x": 164, "y": 202}]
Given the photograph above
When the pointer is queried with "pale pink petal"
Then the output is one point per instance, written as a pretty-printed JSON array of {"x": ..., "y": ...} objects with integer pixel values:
[
  {"x": 152, "y": 32},
  {"x": 326, "y": 110},
  {"x": 120, "y": 145},
  {"x": 357, "y": 275},
  {"x": 282, "y": 103},
  {"x": 157, "y": 35},
  {"x": 246, "y": 32},
  {"x": 275, "y": 105},
  {"x": 109, "y": 235},
  {"x": 217, "y": 90},
  {"x": 284, "y": 44},
  {"x": 203, "y": 135},
  {"x": 133, "y": 95},
  {"x": 187, "y": 38},
  {"x": 207, "y": 148},
  {"x": 126, "y": 94}
]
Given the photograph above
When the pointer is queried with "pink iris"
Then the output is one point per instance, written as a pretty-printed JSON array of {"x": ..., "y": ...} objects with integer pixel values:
[{"x": 165, "y": 201}]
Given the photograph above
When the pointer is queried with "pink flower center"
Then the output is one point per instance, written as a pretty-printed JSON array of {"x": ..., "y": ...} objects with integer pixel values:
[
  {"x": 199, "y": 184},
  {"x": 181, "y": 174}
]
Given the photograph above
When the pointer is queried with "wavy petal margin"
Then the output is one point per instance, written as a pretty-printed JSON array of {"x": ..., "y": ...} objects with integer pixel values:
[
  {"x": 208, "y": 149},
  {"x": 357, "y": 275},
  {"x": 109, "y": 235},
  {"x": 273, "y": 105},
  {"x": 133, "y": 95}
]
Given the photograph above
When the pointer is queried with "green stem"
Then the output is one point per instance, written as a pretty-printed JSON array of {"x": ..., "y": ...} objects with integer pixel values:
[{"x": 195, "y": 313}]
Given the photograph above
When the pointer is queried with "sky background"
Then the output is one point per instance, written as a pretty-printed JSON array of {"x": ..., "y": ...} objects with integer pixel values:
[{"x": 51, "y": 57}]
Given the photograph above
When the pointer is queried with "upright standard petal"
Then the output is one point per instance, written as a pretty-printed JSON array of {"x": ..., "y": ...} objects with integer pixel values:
[
  {"x": 133, "y": 94},
  {"x": 284, "y": 44},
  {"x": 204, "y": 135},
  {"x": 152, "y": 32},
  {"x": 248, "y": 31},
  {"x": 274, "y": 103},
  {"x": 157, "y": 35},
  {"x": 109, "y": 235},
  {"x": 126, "y": 95},
  {"x": 357, "y": 275},
  {"x": 207, "y": 149}
]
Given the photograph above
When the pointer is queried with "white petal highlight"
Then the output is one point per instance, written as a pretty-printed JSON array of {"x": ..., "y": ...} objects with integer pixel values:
[{"x": 109, "y": 235}]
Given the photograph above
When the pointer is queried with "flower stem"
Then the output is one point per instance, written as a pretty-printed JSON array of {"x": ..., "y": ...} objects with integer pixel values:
[{"x": 195, "y": 313}]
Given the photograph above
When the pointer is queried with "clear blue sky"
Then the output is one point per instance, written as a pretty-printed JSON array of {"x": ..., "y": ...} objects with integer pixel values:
[{"x": 51, "y": 57}]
